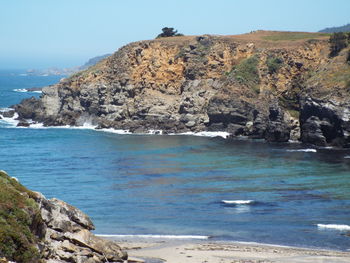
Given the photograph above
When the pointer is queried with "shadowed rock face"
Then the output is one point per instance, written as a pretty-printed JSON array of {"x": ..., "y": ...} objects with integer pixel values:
[
  {"x": 35, "y": 229},
  {"x": 325, "y": 122},
  {"x": 246, "y": 85}
]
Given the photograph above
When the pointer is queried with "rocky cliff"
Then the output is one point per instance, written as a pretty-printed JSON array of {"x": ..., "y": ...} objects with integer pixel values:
[
  {"x": 273, "y": 85},
  {"x": 34, "y": 229}
]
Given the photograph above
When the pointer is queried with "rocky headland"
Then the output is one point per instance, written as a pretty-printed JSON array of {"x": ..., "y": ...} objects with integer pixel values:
[
  {"x": 277, "y": 86},
  {"x": 34, "y": 229}
]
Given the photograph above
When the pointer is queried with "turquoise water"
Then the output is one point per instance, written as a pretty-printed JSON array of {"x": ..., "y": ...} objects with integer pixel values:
[{"x": 174, "y": 185}]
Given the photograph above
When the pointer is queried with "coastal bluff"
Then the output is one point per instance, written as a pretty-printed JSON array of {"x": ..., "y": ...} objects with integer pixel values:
[
  {"x": 35, "y": 229},
  {"x": 277, "y": 86}
]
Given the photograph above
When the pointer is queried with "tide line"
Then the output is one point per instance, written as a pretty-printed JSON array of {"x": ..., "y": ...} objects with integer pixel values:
[{"x": 156, "y": 236}]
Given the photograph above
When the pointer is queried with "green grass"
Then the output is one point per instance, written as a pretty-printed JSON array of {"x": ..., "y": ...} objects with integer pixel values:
[
  {"x": 18, "y": 212},
  {"x": 292, "y": 36}
]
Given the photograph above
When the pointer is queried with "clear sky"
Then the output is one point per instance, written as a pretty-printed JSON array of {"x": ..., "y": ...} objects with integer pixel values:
[{"x": 64, "y": 33}]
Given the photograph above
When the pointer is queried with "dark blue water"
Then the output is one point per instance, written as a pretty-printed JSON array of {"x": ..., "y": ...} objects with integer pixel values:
[{"x": 173, "y": 185}]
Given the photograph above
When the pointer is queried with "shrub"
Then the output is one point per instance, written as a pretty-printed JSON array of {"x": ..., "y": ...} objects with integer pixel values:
[
  {"x": 169, "y": 32},
  {"x": 348, "y": 57},
  {"x": 338, "y": 41},
  {"x": 273, "y": 64},
  {"x": 247, "y": 72},
  {"x": 17, "y": 241}
]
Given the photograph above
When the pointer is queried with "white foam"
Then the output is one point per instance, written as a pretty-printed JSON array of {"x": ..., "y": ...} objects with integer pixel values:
[
  {"x": 157, "y": 132},
  {"x": 303, "y": 150},
  {"x": 157, "y": 236},
  {"x": 111, "y": 130},
  {"x": 5, "y": 109},
  {"x": 334, "y": 226},
  {"x": 25, "y": 90},
  {"x": 205, "y": 134},
  {"x": 347, "y": 157},
  {"x": 20, "y": 90},
  {"x": 12, "y": 122},
  {"x": 237, "y": 202}
]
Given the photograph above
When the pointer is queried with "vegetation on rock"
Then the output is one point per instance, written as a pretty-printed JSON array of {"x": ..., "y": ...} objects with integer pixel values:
[
  {"x": 274, "y": 64},
  {"x": 19, "y": 214},
  {"x": 247, "y": 73}
]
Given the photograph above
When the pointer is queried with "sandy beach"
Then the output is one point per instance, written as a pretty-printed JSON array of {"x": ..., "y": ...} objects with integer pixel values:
[{"x": 199, "y": 251}]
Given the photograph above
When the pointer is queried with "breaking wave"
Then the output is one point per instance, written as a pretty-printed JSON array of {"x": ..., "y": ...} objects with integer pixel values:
[{"x": 334, "y": 227}]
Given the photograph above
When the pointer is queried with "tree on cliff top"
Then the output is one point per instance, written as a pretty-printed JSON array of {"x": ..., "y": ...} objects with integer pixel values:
[{"x": 169, "y": 32}]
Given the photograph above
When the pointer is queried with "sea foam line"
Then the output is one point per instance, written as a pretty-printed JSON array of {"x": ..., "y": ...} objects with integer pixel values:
[
  {"x": 25, "y": 90},
  {"x": 20, "y": 90},
  {"x": 88, "y": 126},
  {"x": 237, "y": 202},
  {"x": 205, "y": 134},
  {"x": 303, "y": 150},
  {"x": 334, "y": 226},
  {"x": 156, "y": 236}
]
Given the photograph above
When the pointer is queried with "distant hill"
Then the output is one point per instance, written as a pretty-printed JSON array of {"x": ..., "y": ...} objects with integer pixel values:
[
  {"x": 93, "y": 61},
  {"x": 345, "y": 28},
  {"x": 66, "y": 71}
]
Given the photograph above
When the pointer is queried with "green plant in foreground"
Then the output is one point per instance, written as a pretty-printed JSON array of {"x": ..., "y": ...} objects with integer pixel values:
[{"x": 18, "y": 212}]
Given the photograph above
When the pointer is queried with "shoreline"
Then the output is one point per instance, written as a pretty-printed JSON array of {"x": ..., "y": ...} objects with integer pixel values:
[{"x": 153, "y": 250}]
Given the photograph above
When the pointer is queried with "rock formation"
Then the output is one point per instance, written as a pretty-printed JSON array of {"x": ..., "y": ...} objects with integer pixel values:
[
  {"x": 35, "y": 229},
  {"x": 272, "y": 85}
]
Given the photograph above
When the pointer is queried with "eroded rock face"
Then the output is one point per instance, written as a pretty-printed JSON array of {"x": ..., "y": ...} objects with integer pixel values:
[
  {"x": 67, "y": 237},
  {"x": 205, "y": 83}
]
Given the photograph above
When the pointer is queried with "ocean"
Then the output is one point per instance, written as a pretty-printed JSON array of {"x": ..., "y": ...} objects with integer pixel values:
[{"x": 182, "y": 185}]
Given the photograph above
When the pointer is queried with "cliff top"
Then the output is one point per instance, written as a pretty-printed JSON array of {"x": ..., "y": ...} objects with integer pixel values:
[{"x": 262, "y": 38}]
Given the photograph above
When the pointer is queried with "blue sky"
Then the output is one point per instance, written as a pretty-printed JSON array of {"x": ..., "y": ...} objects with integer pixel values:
[{"x": 64, "y": 33}]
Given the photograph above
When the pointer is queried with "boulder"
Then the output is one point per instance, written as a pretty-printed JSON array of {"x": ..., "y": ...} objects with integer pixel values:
[
  {"x": 8, "y": 114},
  {"x": 278, "y": 128},
  {"x": 67, "y": 236},
  {"x": 23, "y": 123}
]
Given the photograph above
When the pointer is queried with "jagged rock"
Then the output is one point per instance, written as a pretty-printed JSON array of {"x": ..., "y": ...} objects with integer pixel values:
[
  {"x": 312, "y": 131},
  {"x": 67, "y": 236},
  {"x": 8, "y": 114},
  {"x": 278, "y": 128},
  {"x": 29, "y": 108},
  {"x": 23, "y": 123},
  {"x": 325, "y": 122}
]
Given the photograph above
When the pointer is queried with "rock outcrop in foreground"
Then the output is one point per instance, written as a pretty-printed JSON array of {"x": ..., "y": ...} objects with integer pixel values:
[
  {"x": 34, "y": 229},
  {"x": 272, "y": 85}
]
